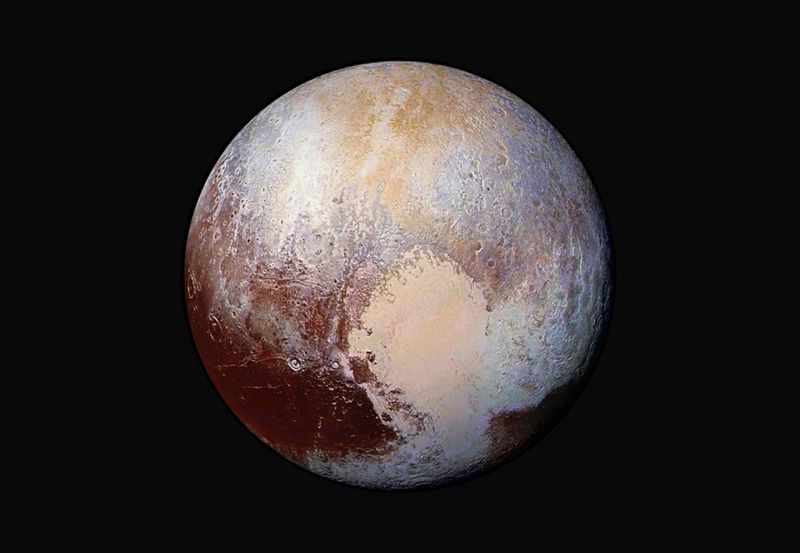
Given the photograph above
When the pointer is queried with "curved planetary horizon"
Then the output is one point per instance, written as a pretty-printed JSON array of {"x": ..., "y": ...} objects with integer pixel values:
[{"x": 398, "y": 275}]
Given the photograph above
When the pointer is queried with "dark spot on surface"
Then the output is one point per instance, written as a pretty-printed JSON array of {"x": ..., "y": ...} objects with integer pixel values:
[
  {"x": 280, "y": 405},
  {"x": 512, "y": 432},
  {"x": 361, "y": 372}
]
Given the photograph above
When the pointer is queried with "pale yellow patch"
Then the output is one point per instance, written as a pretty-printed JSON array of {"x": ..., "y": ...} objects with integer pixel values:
[{"x": 428, "y": 335}]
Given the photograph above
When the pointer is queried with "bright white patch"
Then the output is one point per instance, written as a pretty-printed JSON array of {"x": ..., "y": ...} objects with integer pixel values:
[{"x": 428, "y": 327}]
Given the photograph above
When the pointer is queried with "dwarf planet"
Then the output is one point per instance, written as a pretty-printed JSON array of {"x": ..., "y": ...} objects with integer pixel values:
[{"x": 398, "y": 275}]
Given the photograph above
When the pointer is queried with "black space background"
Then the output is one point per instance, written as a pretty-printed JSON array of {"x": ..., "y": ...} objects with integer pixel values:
[{"x": 623, "y": 442}]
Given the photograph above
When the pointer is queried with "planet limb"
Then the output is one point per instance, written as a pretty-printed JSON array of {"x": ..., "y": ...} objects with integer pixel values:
[{"x": 398, "y": 275}]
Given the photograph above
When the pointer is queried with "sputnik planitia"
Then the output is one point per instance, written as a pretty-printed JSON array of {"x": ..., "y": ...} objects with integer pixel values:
[{"x": 398, "y": 275}]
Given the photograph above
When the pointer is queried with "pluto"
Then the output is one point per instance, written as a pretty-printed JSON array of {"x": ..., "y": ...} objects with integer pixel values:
[{"x": 398, "y": 275}]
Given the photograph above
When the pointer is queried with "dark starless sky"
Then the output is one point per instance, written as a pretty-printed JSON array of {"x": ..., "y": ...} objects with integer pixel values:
[{"x": 616, "y": 442}]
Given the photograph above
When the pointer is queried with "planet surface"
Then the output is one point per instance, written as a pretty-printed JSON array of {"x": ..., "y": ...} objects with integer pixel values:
[{"x": 398, "y": 275}]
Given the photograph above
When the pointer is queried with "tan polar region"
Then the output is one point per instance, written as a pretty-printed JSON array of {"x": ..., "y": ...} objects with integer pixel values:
[
  {"x": 396, "y": 130},
  {"x": 427, "y": 329}
]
